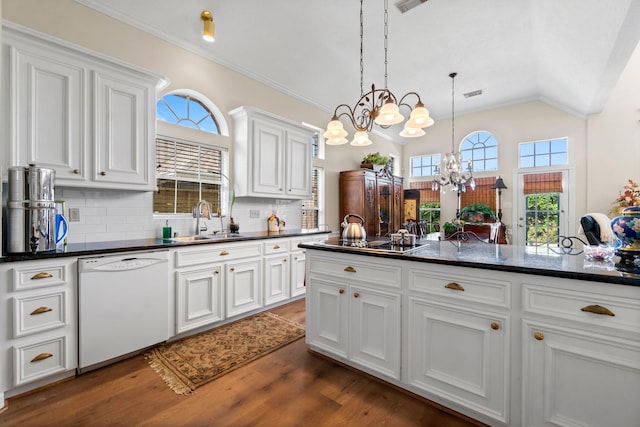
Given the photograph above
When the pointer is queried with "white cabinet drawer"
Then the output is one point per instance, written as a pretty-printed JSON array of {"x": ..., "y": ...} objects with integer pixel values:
[
  {"x": 350, "y": 268},
  {"x": 32, "y": 277},
  {"x": 217, "y": 253},
  {"x": 476, "y": 289},
  {"x": 276, "y": 247},
  {"x": 33, "y": 314},
  {"x": 586, "y": 307},
  {"x": 39, "y": 360}
]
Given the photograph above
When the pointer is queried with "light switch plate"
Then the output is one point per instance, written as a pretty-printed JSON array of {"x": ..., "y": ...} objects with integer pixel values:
[{"x": 74, "y": 214}]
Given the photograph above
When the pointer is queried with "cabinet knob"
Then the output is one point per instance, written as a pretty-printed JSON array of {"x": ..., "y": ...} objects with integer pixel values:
[
  {"x": 41, "y": 275},
  {"x": 284, "y": 260},
  {"x": 103, "y": 173},
  {"x": 598, "y": 309},
  {"x": 41, "y": 310},
  {"x": 295, "y": 258},
  {"x": 232, "y": 269},
  {"x": 341, "y": 291},
  {"x": 76, "y": 171},
  {"x": 495, "y": 326},
  {"x": 454, "y": 286},
  {"x": 539, "y": 336},
  {"x": 356, "y": 295},
  {"x": 350, "y": 269},
  {"x": 216, "y": 272},
  {"x": 41, "y": 356}
]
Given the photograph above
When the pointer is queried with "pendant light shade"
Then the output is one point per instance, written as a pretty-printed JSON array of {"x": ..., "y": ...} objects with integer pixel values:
[
  {"x": 409, "y": 132},
  {"x": 389, "y": 114},
  {"x": 419, "y": 117},
  {"x": 209, "y": 30},
  {"x": 361, "y": 139}
]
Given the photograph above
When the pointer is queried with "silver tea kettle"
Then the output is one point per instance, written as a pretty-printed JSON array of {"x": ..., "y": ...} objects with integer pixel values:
[{"x": 353, "y": 231}]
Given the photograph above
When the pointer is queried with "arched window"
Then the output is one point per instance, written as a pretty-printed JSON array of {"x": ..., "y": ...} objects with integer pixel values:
[
  {"x": 481, "y": 148},
  {"x": 190, "y": 109},
  {"x": 188, "y": 171}
]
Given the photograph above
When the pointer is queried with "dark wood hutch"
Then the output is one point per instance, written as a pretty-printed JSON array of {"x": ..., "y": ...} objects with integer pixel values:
[{"x": 378, "y": 197}]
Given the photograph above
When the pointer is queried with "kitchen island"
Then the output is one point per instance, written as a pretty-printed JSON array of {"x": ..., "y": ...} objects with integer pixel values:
[{"x": 506, "y": 335}]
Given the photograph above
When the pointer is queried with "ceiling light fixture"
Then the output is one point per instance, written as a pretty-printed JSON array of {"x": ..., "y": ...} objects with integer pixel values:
[
  {"x": 379, "y": 106},
  {"x": 209, "y": 30},
  {"x": 452, "y": 172}
]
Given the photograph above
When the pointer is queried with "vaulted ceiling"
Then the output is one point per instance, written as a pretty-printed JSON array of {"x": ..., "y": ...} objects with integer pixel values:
[{"x": 568, "y": 53}]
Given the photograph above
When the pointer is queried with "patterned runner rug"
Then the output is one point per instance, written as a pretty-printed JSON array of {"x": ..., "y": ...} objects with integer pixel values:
[{"x": 191, "y": 362}]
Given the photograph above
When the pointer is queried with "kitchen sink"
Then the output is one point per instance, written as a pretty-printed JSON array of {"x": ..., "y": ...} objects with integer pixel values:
[{"x": 223, "y": 236}]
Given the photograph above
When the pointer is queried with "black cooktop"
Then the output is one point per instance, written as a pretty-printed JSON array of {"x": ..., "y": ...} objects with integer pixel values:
[{"x": 378, "y": 245}]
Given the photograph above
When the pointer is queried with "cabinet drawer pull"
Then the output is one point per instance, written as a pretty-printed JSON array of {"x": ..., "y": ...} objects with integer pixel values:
[
  {"x": 341, "y": 291},
  {"x": 223, "y": 253},
  {"x": 539, "y": 336},
  {"x": 41, "y": 310},
  {"x": 42, "y": 275},
  {"x": 276, "y": 246},
  {"x": 598, "y": 309},
  {"x": 454, "y": 286},
  {"x": 356, "y": 295},
  {"x": 495, "y": 326},
  {"x": 41, "y": 356},
  {"x": 350, "y": 269}
]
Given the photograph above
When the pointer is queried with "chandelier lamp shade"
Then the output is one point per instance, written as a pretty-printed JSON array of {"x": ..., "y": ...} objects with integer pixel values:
[
  {"x": 209, "y": 30},
  {"x": 378, "y": 106},
  {"x": 453, "y": 172}
]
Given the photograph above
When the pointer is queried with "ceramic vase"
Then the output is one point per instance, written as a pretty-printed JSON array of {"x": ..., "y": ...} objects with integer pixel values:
[{"x": 627, "y": 228}]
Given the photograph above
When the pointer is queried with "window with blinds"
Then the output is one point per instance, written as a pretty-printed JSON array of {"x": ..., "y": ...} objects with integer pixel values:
[
  {"x": 311, "y": 207},
  {"x": 187, "y": 173}
]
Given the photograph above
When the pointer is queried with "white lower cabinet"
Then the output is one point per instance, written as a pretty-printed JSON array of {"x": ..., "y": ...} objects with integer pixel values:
[
  {"x": 581, "y": 354},
  {"x": 276, "y": 279},
  {"x": 243, "y": 286},
  {"x": 357, "y": 321},
  {"x": 297, "y": 266},
  {"x": 577, "y": 378},
  {"x": 200, "y": 297},
  {"x": 459, "y": 354},
  {"x": 38, "y": 342}
]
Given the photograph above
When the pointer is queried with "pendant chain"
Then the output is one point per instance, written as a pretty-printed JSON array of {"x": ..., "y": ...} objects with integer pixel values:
[
  {"x": 361, "y": 51},
  {"x": 386, "y": 39}
]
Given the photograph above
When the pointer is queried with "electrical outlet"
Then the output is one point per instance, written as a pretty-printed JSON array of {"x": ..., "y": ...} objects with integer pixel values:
[
  {"x": 254, "y": 213},
  {"x": 74, "y": 214}
]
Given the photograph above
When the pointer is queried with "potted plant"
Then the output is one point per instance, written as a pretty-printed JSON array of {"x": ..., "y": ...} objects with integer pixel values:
[
  {"x": 375, "y": 161},
  {"x": 477, "y": 213}
]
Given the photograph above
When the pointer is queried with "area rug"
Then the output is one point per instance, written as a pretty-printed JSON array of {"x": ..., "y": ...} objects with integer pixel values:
[{"x": 191, "y": 362}]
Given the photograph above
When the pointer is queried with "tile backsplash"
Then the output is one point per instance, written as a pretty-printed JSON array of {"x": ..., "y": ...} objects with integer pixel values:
[{"x": 123, "y": 215}]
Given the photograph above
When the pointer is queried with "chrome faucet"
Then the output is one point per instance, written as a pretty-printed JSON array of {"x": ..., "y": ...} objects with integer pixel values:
[{"x": 202, "y": 210}]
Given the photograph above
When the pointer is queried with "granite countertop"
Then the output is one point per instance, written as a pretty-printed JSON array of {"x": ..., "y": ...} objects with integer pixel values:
[
  {"x": 100, "y": 248},
  {"x": 554, "y": 262}
]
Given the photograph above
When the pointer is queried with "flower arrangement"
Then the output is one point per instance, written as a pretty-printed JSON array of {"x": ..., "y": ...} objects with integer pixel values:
[{"x": 630, "y": 196}]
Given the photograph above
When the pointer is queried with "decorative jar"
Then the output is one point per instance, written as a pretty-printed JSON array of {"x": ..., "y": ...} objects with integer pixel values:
[{"x": 627, "y": 228}]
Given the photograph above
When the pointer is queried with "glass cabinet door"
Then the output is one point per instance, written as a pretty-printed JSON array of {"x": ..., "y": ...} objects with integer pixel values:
[{"x": 385, "y": 198}]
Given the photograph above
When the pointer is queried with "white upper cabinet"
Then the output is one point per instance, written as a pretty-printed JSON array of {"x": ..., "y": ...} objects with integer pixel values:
[
  {"x": 89, "y": 117},
  {"x": 272, "y": 156}
]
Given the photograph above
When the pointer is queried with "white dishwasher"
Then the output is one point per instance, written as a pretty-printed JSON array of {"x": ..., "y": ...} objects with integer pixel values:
[{"x": 123, "y": 305}]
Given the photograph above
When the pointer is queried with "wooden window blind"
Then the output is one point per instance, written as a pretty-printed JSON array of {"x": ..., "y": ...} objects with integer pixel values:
[
  {"x": 427, "y": 195},
  {"x": 483, "y": 193},
  {"x": 540, "y": 183}
]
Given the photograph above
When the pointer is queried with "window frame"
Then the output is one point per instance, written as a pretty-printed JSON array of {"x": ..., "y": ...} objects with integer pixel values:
[
  {"x": 469, "y": 153},
  {"x": 435, "y": 158},
  {"x": 548, "y": 154}
]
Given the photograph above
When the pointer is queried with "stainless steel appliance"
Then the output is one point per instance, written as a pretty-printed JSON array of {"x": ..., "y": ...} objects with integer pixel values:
[
  {"x": 353, "y": 232},
  {"x": 31, "y": 210},
  {"x": 123, "y": 305}
]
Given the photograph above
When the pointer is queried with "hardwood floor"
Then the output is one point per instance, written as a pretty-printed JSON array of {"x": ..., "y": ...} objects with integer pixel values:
[{"x": 289, "y": 387}]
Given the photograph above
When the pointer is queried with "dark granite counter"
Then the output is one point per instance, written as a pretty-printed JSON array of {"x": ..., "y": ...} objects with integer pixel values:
[
  {"x": 99, "y": 248},
  {"x": 552, "y": 262}
]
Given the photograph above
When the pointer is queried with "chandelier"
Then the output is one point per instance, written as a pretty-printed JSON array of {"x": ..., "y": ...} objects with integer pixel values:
[
  {"x": 453, "y": 172},
  {"x": 379, "y": 106}
]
